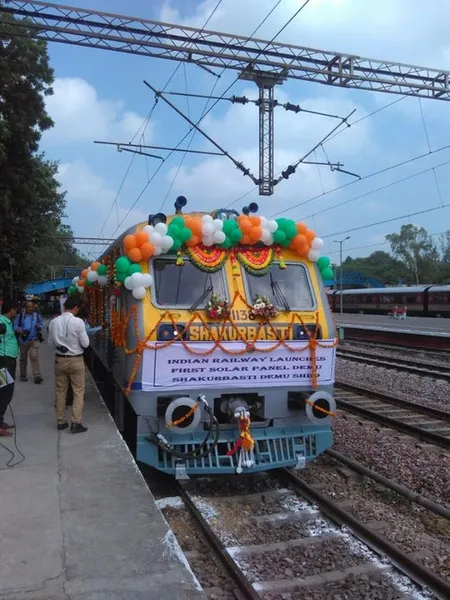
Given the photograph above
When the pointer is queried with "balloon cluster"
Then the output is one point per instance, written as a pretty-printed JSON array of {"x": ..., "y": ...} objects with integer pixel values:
[
  {"x": 179, "y": 232},
  {"x": 217, "y": 232},
  {"x": 157, "y": 237},
  {"x": 138, "y": 246},
  {"x": 130, "y": 274},
  {"x": 325, "y": 270},
  {"x": 96, "y": 273}
]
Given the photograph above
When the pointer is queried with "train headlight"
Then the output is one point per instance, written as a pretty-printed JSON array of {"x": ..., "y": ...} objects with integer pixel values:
[
  {"x": 318, "y": 407},
  {"x": 178, "y": 409}
]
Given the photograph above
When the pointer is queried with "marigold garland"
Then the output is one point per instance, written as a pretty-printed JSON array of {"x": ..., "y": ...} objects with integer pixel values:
[
  {"x": 207, "y": 259},
  {"x": 185, "y": 417},
  {"x": 256, "y": 261}
]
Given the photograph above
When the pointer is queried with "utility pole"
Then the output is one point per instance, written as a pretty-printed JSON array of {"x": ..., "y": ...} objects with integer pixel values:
[
  {"x": 11, "y": 264},
  {"x": 340, "y": 242}
]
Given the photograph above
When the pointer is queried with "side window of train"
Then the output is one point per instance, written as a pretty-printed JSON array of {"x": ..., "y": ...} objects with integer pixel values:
[
  {"x": 184, "y": 286},
  {"x": 291, "y": 285}
]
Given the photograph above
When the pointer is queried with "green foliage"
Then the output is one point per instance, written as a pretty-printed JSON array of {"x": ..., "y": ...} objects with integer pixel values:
[{"x": 31, "y": 202}]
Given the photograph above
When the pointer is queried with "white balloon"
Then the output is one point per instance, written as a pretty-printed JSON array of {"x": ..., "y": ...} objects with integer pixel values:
[
  {"x": 92, "y": 276},
  {"x": 147, "y": 280},
  {"x": 207, "y": 219},
  {"x": 272, "y": 225},
  {"x": 317, "y": 243},
  {"x": 161, "y": 228},
  {"x": 156, "y": 238},
  {"x": 208, "y": 241},
  {"x": 148, "y": 229},
  {"x": 127, "y": 283},
  {"x": 264, "y": 222},
  {"x": 135, "y": 280},
  {"x": 167, "y": 242},
  {"x": 157, "y": 251},
  {"x": 207, "y": 228},
  {"x": 266, "y": 236},
  {"x": 219, "y": 237},
  {"x": 218, "y": 224},
  {"x": 314, "y": 255},
  {"x": 139, "y": 293},
  {"x": 80, "y": 289},
  {"x": 102, "y": 279}
]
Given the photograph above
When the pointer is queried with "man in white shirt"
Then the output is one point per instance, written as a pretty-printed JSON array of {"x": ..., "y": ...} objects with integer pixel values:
[{"x": 68, "y": 336}]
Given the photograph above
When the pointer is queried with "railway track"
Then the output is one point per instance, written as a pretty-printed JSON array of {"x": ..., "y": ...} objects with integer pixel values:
[
  {"x": 325, "y": 528},
  {"x": 430, "y": 424},
  {"x": 400, "y": 364}
]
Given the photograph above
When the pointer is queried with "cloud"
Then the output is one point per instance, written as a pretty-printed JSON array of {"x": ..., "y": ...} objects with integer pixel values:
[
  {"x": 80, "y": 115},
  {"x": 89, "y": 202}
]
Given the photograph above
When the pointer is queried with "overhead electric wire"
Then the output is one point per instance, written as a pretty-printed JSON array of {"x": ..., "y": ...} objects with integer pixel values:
[
  {"x": 391, "y": 220},
  {"x": 363, "y": 178},
  {"x": 206, "y": 112},
  {"x": 379, "y": 189}
]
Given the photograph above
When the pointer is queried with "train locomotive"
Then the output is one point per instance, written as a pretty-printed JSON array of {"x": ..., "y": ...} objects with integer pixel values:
[{"x": 221, "y": 338}]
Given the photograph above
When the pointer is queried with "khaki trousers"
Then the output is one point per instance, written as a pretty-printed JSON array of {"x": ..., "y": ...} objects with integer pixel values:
[
  {"x": 32, "y": 349},
  {"x": 69, "y": 369}
]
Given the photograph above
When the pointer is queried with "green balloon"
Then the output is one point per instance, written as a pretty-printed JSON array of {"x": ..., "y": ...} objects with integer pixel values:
[
  {"x": 327, "y": 273},
  {"x": 281, "y": 223},
  {"x": 102, "y": 270},
  {"x": 291, "y": 230},
  {"x": 323, "y": 262},
  {"x": 279, "y": 237},
  {"x": 178, "y": 222},
  {"x": 174, "y": 231},
  {"x": 228, "y": 227},
  {"x": 176, "y": 244},
  {"x": 185, "y": 234},
  {"x": 134, "y": 268},
  {"x": 72, "y": 290},
  {"x": 89, "y": 283},
  {"x": 122, "y": 264},
  {"x": 236, "y": 236},
  {"x": 121, "y": 276},
  {"x": 227, "y": 243}
]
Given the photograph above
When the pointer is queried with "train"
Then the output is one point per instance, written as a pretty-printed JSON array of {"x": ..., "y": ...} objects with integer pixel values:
[
  {"x": 419, "y": 300},
  {"x": 219, "y": 350}
]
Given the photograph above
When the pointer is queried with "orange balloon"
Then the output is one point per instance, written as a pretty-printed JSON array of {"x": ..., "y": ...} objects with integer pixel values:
[
  {"x": 84, "y": 273},
  {"x": 147, "y": 250},
  {"x": 255, "y": 233},
  {"x": 95, "y": 265},
  {"x": 255, "y": 220},
  {"x": 301, "y": 228},
  {"x": 310, "y": 235},
  {"x": 245, "y": 225},
  {"x": 80, "y": 282},
  {"x": 300, "y": 240},
  {"x": 245, "y": 240},
  {"x": 195, "y": 225},
  {"x": 134, "y": 254},
  {"x": 129, "y": 241},
  {"x": 194, "y": 241},
  {"x": 141, "y": 238}
]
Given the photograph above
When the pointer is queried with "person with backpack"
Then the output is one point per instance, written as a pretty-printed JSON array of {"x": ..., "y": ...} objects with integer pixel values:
[{"x": 28, "y": 327}]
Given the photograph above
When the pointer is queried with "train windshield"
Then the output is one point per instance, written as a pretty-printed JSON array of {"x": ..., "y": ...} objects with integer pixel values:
[
  {"x": 186, "y": 286},
  {"x": 288, "y": 289}
]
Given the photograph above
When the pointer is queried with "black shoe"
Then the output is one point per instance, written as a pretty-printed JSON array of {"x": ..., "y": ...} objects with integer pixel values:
[
  {"x": 23, "y": 378},
  {"x": 38, "y": 380},
  {"x": 62, "y": 426},
  {"x": 77, "y": 428}
]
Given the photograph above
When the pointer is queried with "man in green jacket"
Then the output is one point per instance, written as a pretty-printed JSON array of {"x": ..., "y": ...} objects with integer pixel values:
[{"x": 9, "y": 351}]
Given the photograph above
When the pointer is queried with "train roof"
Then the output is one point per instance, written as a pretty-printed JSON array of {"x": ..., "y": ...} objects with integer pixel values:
[{"x": 416, "y": 289}]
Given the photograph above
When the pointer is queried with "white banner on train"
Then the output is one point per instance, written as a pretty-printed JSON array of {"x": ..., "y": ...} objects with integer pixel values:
[{"x": 176, "y": 367}]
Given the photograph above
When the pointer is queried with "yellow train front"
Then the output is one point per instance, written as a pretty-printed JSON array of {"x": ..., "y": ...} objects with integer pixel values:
[{"x": 222, "y": 337}]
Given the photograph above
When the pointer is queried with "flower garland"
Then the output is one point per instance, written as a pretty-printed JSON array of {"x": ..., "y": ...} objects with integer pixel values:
[
  {"x": 217, "y": 307},
  {"x": 264, "y": 308},
  {"x": 207, "y": 259},
  {"x": 256, "y": 261},
  {"x": 185, "y": 417}
]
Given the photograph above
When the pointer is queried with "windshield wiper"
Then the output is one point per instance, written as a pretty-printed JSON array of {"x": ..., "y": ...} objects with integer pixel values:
[
  {"x": 279, "y": 296},
  {"x": 205, "y": 294}
]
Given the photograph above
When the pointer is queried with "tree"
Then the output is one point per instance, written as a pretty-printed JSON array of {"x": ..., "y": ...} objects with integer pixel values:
[
  {"x": 31, "y": 202},
  {"x": 414, "y": 247},
  {"x": 379, "y": 265}
]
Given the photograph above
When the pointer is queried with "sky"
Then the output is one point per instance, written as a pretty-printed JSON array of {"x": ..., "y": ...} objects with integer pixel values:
[{"x": 100, "y": 96}]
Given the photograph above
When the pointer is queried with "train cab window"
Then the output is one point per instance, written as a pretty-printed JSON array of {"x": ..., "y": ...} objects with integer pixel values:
[
  {"x": 185, "y": 286},
  {"x": 288, "y": 287}
]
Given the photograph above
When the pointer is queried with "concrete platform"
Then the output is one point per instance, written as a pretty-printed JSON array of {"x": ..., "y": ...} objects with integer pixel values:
[
  {"x": 77, "y": 520},
  {"x": 419, "y": 325}
]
